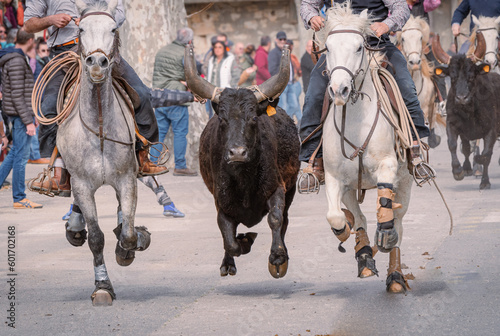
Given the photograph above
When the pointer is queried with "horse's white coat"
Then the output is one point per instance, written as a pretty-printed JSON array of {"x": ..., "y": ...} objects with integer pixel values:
[
  {"x": 490, "y": 37},
  {"x": 380, "y": 161}
]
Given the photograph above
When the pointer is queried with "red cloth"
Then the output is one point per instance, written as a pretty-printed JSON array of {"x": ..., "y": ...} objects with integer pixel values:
[{"x": 261, "y": 63}]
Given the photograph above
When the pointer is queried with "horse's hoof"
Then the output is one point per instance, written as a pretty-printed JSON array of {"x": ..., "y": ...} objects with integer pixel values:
[
  {"x": 459, "y": 176},
  {"x": 278, "y": 271},
  {"x": 102, "y": 298},
  {"x": 76, "y": 238},
  {"x": 468, "y": 172},
  {"x": 366, "y": 266},
  {"x": 396, "y": 283},
  {"x": 434, "y": 140},
  {"x": 143, "y": 238},
  {"x": 485, "y": 186},
  {"x": 123, "y": 257},
  {"x": 227, "y": 269}
]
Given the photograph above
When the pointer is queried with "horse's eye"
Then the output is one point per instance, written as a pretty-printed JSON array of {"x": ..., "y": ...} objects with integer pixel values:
[
  {"x": 254, "y": 118},
  {"x": 81, "y": 30},
  {"x": 359, "y": 49},
  {"x": 402, "y": 39},
  {"x": 113, "y": 30}
]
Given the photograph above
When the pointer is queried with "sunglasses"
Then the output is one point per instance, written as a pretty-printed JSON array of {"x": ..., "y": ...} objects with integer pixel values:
[{"x": 282, "y": 39}]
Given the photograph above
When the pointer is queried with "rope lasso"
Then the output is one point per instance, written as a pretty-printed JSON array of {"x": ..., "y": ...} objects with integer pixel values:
[{"x": 72, "y": 62}]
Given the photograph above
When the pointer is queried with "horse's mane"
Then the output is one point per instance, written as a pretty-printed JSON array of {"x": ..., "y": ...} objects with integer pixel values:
[
  {"x": 102, "y": 6},
  {"x": 341, "y": 14}
]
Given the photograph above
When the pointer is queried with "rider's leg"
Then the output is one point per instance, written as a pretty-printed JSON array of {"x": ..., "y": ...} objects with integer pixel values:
[
  {"x": 144, "y": 117},
  {"x": 311, "y": 118},
  {"x": 162, "y": 197}
]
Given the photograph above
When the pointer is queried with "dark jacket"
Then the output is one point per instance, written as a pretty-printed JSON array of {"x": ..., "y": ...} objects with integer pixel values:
[
  {"x": 306, "y": 64},
  {"x": 169, "y": 67},
  {"x": 488, "y": 8},
  {"x": 17, "y": 84},
  {"x": 274, "y": 62},
  {"x": 262, "y": 66}
]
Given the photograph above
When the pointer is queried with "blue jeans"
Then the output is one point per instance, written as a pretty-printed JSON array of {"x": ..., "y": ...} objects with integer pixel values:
[
  {"x": 178, "y": 117},
  {"x": 16, "y": 159},
  {"x": 34, "y": 147},
  {"x": 289, "y": 100}
]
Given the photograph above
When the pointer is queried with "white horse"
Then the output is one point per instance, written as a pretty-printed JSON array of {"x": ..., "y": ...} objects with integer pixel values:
[
  {"x": 414, "y": 40},
  {"x": 490, "y": 27},
  {"x": 381, "y": 168}
]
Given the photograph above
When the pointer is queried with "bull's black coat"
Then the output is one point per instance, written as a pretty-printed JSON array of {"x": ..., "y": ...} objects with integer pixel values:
[
  {"x": 473, "y": 112},
  {"x": 245, "y": 192}
]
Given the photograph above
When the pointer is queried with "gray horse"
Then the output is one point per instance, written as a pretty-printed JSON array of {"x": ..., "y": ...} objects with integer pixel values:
[{"x": 97, "y": 143}]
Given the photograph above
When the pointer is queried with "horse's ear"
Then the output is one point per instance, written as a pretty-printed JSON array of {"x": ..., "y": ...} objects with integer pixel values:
[
  {"x": 497, "y": 21},
  {"x": 80, "y": 5},
  {"x": 364, "y": 14},
  {"x": 475, "y": 20},
  {"x": 112, "y": 6}
]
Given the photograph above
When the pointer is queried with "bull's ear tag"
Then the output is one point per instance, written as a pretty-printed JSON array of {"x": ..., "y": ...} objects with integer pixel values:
[
  {"x": 270, "y": 110},
  {"x": 438, "y": 71},
  {"x": 486, "y": 68}
]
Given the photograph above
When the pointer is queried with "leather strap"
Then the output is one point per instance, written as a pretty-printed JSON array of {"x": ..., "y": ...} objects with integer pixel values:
[
  {"x": 96, "y": 13},
  {"x": 440, "y": 97}
]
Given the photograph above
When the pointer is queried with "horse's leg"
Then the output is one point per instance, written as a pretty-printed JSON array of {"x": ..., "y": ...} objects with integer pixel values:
[
  {"x": 278, "y": 259},
  {"x": 386, "y": 236},
  {"x": 103, "y": 294},
  {"x": 485, "y": 158},
  {"x": 363, "y": 251},
  {"x": 396, "y": 283},
  {"x": 466, "y": 151},
  {"x": 456, "y": 168},
  {"x": 131, "y": 238},
  {"x": 341, "y": 220},
  {"x": 75, "y": 226},
  {"x": 123, "y": 257}
]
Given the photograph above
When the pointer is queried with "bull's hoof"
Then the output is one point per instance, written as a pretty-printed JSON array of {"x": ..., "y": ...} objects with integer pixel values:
[
  {"x": 396, "y": 283},
  {"x": 102, "y": 298},
  {"x": 485, "y": 186},
  {"x": 76, "y": 238},
  {"x": 278, "y": 271},
  {"x": 366, "y": 266},
  {"x": 246, "y": 241},
  {"x": 123, "y": 257},
  {"x": 386, "y": 239},
  {"x": 227, "y": 270}
]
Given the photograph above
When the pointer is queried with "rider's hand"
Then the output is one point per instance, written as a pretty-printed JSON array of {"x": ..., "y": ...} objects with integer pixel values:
[
  {"x": 60, "y": 20},
  {"x": 31, "y": 129},
  {"x": 317, "y": 22},
  {"x": 455, "y": 29},
  {"x": 379, "y": 28},
  {"x": 5, "y": 141},
  {"x": 77, "y": 21}
]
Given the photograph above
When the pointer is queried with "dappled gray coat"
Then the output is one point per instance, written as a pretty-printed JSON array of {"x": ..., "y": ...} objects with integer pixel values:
[{"x": 17, "y": 86}]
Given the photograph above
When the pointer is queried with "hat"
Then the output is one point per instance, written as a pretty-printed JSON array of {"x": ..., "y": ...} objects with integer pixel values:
[{"x": 281, "y": 35}]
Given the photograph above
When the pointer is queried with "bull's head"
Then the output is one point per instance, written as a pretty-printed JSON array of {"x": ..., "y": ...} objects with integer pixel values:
[
  {"x": 461, "y": 69},
  {"x": 238, "y": 110}
]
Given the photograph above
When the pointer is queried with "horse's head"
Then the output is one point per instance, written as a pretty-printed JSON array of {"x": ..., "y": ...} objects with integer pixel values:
[
  {"x": 346, "y": 59},
  {"x": 99, "y": 39},
  {"x": 413, "y": 40},
  {"x": 490, "y": 27}
]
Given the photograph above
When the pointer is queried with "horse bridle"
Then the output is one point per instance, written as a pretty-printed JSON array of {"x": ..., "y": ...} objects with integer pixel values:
[
  {"x": 419, "y": 54},
  {"x": 111, "y": 53},
  {"x": 489, "y": 52},
  {"x": 413, "y": 52}
]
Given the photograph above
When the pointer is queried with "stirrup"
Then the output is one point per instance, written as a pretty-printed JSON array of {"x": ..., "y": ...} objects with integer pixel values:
[
  {"x": 47, "y": 173},
  {"x": 312, "y": 187},
  {"x": 422, "y": 172},
  {"x": 161, "y": 156}
]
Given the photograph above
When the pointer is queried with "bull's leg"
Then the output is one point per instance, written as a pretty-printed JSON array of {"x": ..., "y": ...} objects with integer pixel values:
[
  {"x": 278, "y": 259},
  {"x": 341, "y": 220},
  {"x": 456, "y": 168},
  {"x": 233, "y": 246},
  {"x": 103, "y": 294},
  {"x": 75, "y": 227},
  {"x": 362, "y": 249},
  {"x": 485, "y": 158},
  {"x": 395, "y": 282},
  {"x": 466, "y": 151}
]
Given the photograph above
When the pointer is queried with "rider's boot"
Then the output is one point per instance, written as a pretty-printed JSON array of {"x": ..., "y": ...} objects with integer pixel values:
[
  {"x": 59, "y": 184},
  {"x": 307, "y": 184},
  {"x": 148, "y": 168}
]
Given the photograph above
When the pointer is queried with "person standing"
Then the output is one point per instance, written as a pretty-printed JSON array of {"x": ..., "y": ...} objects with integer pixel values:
[
  {"x": 17, "y": 84},
  {"x": 261, "y": 62},
  {"x": 247, "y": 66},
  {"x": 306, "y": 65},
  {"x": 168, "y": 73},
  {"x": 223, "y": 70}
]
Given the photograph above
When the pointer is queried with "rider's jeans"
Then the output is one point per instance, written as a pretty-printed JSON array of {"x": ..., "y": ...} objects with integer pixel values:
[
  {"x": 178, "y": 117},
  {"x": 316, "y": 91},
  {"x": 17, "y": 159}
]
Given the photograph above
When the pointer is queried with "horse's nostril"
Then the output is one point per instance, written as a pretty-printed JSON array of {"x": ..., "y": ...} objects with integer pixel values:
[
  {"x": 89, "y": 61},
  {"x": 103, "y": 62},
  {"x": 345, "y": 91}
]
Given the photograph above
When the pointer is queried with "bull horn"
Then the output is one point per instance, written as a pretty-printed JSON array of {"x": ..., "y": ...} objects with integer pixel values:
[
  {"x": 480, "y": 50},
  {"x": 196, "y": 84},
  {"x": 438, "y": 51},
  {"x": 275, "y": 85}
]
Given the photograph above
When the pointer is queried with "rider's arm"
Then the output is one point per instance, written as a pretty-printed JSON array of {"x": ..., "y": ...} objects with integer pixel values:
[
  {"x": 309, "y": 9},
  {"x": 461, "y": 12},
  {"x": 400, "y": 13}
]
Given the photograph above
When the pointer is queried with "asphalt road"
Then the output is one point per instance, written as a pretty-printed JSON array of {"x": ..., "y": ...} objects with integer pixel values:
[{"x": 174, "y": 287}]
